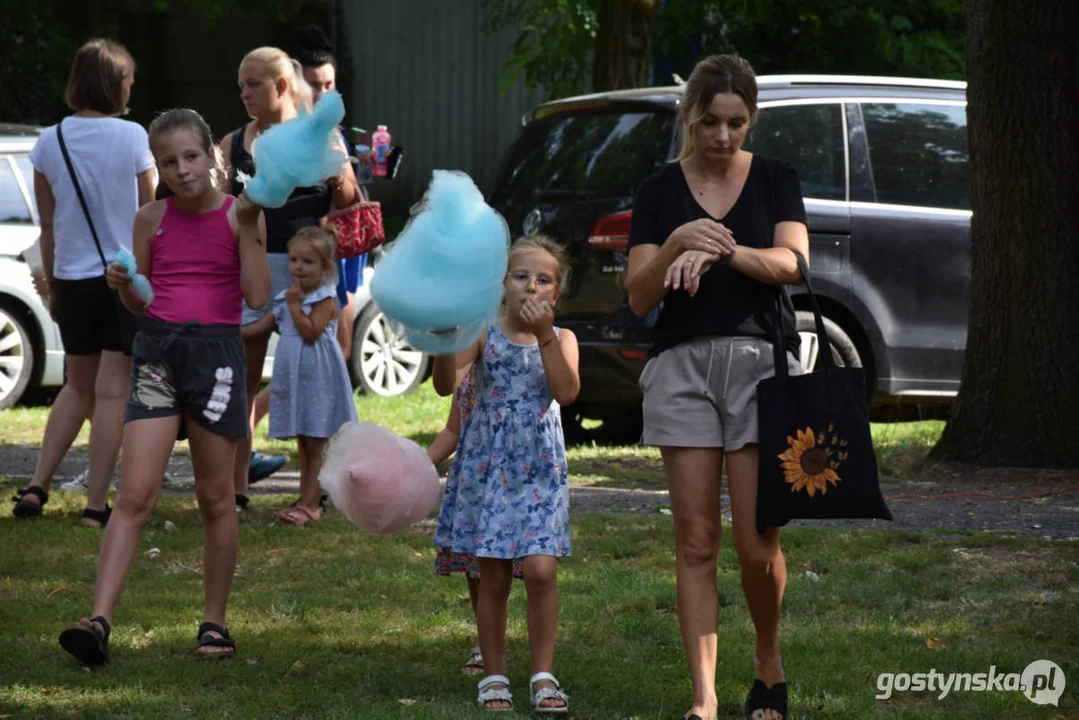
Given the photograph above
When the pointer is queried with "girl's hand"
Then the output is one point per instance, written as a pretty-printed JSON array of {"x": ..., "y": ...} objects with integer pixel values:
[
  {"x": 704, "y": 235},
  {"x": 247, "y": 210},
  {"x": 538, "y": 316},
  {"x": 294, "y": 294},
  {"x": 116, "y": 277},
  {"x": 686, "y": 271}
]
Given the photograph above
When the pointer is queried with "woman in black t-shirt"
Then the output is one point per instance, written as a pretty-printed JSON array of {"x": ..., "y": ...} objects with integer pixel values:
[{"x": 712, "y": 238}]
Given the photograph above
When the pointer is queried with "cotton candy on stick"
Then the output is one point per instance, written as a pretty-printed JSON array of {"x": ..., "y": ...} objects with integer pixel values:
[
  {"x": 380, "y": 481},
  {"x": 440, "y": 281},
  {"x": 298, "y": 153},
  {"x": 140, "y": 282}
]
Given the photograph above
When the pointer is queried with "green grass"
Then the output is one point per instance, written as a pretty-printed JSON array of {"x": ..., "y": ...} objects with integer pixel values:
[
  {"x": 332, "y": 622},
  {"x": 901, "y": 447}
]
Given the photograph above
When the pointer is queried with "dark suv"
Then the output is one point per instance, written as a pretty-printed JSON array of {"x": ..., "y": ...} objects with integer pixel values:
[{"x": 883, "y": 167}]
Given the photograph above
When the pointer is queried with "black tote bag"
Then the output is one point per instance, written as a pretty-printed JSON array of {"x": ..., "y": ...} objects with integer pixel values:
[{"x": 816, "y": 453}]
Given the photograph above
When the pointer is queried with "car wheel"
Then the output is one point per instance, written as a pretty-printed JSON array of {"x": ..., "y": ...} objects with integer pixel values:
[
  {"x": 16, "y": 358},
  {"x": 844, "y": 351},
  {"x": 382, "y": 363}
]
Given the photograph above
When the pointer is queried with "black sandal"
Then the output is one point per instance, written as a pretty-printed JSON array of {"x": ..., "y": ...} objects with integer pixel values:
[
  {"x": 26, "y": 509},
  {"x": 89, "y": 644},
  {"x": 208, "y": 640},
  {"x": 101, "y": 517},
  {"x": 762, "y": 697}
]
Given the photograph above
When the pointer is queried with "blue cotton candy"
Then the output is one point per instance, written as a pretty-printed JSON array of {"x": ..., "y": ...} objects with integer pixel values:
[
  {"x": 440, "y": 281},
  {"x": 140, "y": 282},
  {"x": 297, "y": 153}
]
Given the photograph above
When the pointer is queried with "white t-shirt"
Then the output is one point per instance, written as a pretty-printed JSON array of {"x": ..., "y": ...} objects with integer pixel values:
[{"x": 108, "y": 154}]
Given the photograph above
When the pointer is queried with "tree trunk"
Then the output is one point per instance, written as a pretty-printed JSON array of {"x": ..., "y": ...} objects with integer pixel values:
[
  {"x": 623, "y": 56},
  {"x": 1018, "y": 404}
]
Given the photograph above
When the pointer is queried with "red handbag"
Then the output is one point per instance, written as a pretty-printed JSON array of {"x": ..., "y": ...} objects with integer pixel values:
[{"x": 359, "y": 228}]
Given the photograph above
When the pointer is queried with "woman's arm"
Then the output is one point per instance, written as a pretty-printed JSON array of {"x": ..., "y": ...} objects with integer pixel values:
[
  {"x": 344, "y": 187},
  {"x": 250, "y": 228},
  {"x": 449, "y": 370},
  {"x": 147, "y": 184},
  {"x": 646, "y": 276},
  {"x": 46, "y": 209},
  {"x": 776, "y": 265},
  {"x": 225, "y": 146},
  {"x": 259, "y": 328},
  {"x": 312, "y": 326}
]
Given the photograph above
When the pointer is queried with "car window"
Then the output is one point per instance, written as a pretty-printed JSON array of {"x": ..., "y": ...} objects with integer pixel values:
[
  {"x": 810, "y": 138},
  {"x": 13, "y": 207},
  {"x": 27, "y": 170},
  {"x": 598, "y": 153},
  {"x": 918, "y": 153}
]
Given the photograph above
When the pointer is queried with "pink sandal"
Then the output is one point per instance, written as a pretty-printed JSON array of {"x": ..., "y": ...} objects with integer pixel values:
[{"x": 299, "y": 515}]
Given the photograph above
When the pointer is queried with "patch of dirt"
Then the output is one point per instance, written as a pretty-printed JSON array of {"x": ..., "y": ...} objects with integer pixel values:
[{"x": 1006, "y": 501}]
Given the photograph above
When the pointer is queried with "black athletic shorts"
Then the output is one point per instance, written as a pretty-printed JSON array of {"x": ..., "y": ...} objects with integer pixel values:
[
  {"x": 196, "y": 371},
  {"x": 91, "y": 317}
]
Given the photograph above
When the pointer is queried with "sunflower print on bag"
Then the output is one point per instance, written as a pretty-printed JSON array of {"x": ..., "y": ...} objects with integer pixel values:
[{"x": 812, "y": 460}]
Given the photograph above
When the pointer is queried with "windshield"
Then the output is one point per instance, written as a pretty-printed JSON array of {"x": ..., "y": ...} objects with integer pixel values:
[{"x": 593, "y": 153}]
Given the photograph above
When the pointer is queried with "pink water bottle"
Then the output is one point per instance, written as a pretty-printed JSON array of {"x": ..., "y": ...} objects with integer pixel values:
[{"x": 380, "y": 148}]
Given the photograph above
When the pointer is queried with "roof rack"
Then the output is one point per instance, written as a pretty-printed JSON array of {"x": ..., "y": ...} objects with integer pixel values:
[{"x": 772, "y": 80}]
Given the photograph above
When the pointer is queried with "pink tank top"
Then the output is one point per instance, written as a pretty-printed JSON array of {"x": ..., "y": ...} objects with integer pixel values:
[{"x": 195, "y": 268}]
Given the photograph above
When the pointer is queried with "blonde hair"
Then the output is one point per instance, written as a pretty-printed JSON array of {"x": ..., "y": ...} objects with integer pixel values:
[
  {"x": 713, "y": 76},
  {"x": 544, "y": 244},
  {"x": 177, "y": 119},
  {"x": 324, "y": 240},
  {"x": 279, "y": 65},
  {"x": 97, "y": 77}
]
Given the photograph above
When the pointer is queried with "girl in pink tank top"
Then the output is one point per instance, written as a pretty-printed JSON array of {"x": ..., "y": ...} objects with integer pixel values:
[{"x": 203, "y": 253}]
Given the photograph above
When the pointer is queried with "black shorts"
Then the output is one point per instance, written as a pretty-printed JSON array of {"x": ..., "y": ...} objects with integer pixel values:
[
  {"x": 91, "y": 317},
  {"x": 196, "y": 371}
]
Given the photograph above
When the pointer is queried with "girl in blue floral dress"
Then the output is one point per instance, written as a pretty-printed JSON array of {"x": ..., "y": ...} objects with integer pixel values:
[{"x": 507, "y": 496}]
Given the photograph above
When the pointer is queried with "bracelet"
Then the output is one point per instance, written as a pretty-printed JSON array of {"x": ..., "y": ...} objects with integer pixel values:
[{"x": 545, "y": 343}]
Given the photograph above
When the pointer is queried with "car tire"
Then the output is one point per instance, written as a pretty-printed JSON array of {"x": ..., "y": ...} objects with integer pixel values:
[
  {"x": 16, "y": 357},
  {"x": 844, "y": 351},
  {"x": 382, "y": 363}
]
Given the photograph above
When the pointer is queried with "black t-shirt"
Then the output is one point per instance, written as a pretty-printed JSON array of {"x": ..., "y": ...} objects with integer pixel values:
[
  {"x": 305, "y": 207},
  {"x": 727, "y": 302}
]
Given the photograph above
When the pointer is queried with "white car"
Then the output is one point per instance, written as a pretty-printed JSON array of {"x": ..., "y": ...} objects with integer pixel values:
[{"x": 32, "y": 355}]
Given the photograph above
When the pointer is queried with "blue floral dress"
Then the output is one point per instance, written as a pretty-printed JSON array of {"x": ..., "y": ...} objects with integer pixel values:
[
  {"x": 310, "y": 393},
  {"x": 508, "y": 492}
]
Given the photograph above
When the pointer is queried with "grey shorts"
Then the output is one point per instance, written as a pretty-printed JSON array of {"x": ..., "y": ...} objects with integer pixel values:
[
  {"x": 703, "y": 393},
  {"x": 195, "y": 371},
  {"x": 280, "y": 279}
]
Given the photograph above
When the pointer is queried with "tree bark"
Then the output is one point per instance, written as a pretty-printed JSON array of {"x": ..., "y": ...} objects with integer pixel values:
[
  {"x": 623, "y": 51},
  {"x": 1018, "y": 404}
]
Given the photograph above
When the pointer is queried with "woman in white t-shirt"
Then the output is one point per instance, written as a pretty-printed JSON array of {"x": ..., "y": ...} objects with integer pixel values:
[{"x": 111, "y": 159}]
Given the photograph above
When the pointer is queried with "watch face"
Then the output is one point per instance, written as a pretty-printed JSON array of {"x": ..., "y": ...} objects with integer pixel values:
[{"x": 532, "y": 222}]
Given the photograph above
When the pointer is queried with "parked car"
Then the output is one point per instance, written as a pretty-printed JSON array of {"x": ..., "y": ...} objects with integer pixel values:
[
  {"x": 883, "y": 167},
  {"x": 32, "y": 355}
]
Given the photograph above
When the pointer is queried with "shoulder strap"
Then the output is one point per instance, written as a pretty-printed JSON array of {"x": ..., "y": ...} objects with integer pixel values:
[{"x": 78, "y": 192}]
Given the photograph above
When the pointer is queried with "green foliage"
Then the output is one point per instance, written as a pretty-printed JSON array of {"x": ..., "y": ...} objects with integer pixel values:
[
  {"x": 917, "y": 38},
  {"x": 553, "y": 45}
]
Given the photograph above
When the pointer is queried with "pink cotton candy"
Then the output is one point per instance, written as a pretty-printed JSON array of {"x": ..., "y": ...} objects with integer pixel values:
[{"x": 380, "y": 481}]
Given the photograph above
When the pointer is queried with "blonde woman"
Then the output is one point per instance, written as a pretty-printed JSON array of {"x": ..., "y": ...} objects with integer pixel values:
[
  {"x": 712, "y": 238},
  {"x": 273, "y": 91}
]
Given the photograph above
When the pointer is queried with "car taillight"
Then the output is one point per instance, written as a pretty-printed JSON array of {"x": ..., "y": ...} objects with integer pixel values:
[{"x": 611, "y": 232}]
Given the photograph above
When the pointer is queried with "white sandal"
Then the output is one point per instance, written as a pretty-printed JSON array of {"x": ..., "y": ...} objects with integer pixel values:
[
  {"x": 488, "y": 693},
  {"x": 547, "y": 693}
]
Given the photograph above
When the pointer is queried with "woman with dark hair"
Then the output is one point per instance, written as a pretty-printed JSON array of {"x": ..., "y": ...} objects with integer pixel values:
[
  {"x": 320, "y": 71},
  {"x": 713, "y": 236},
  {"x": 92, "y": 172}
]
